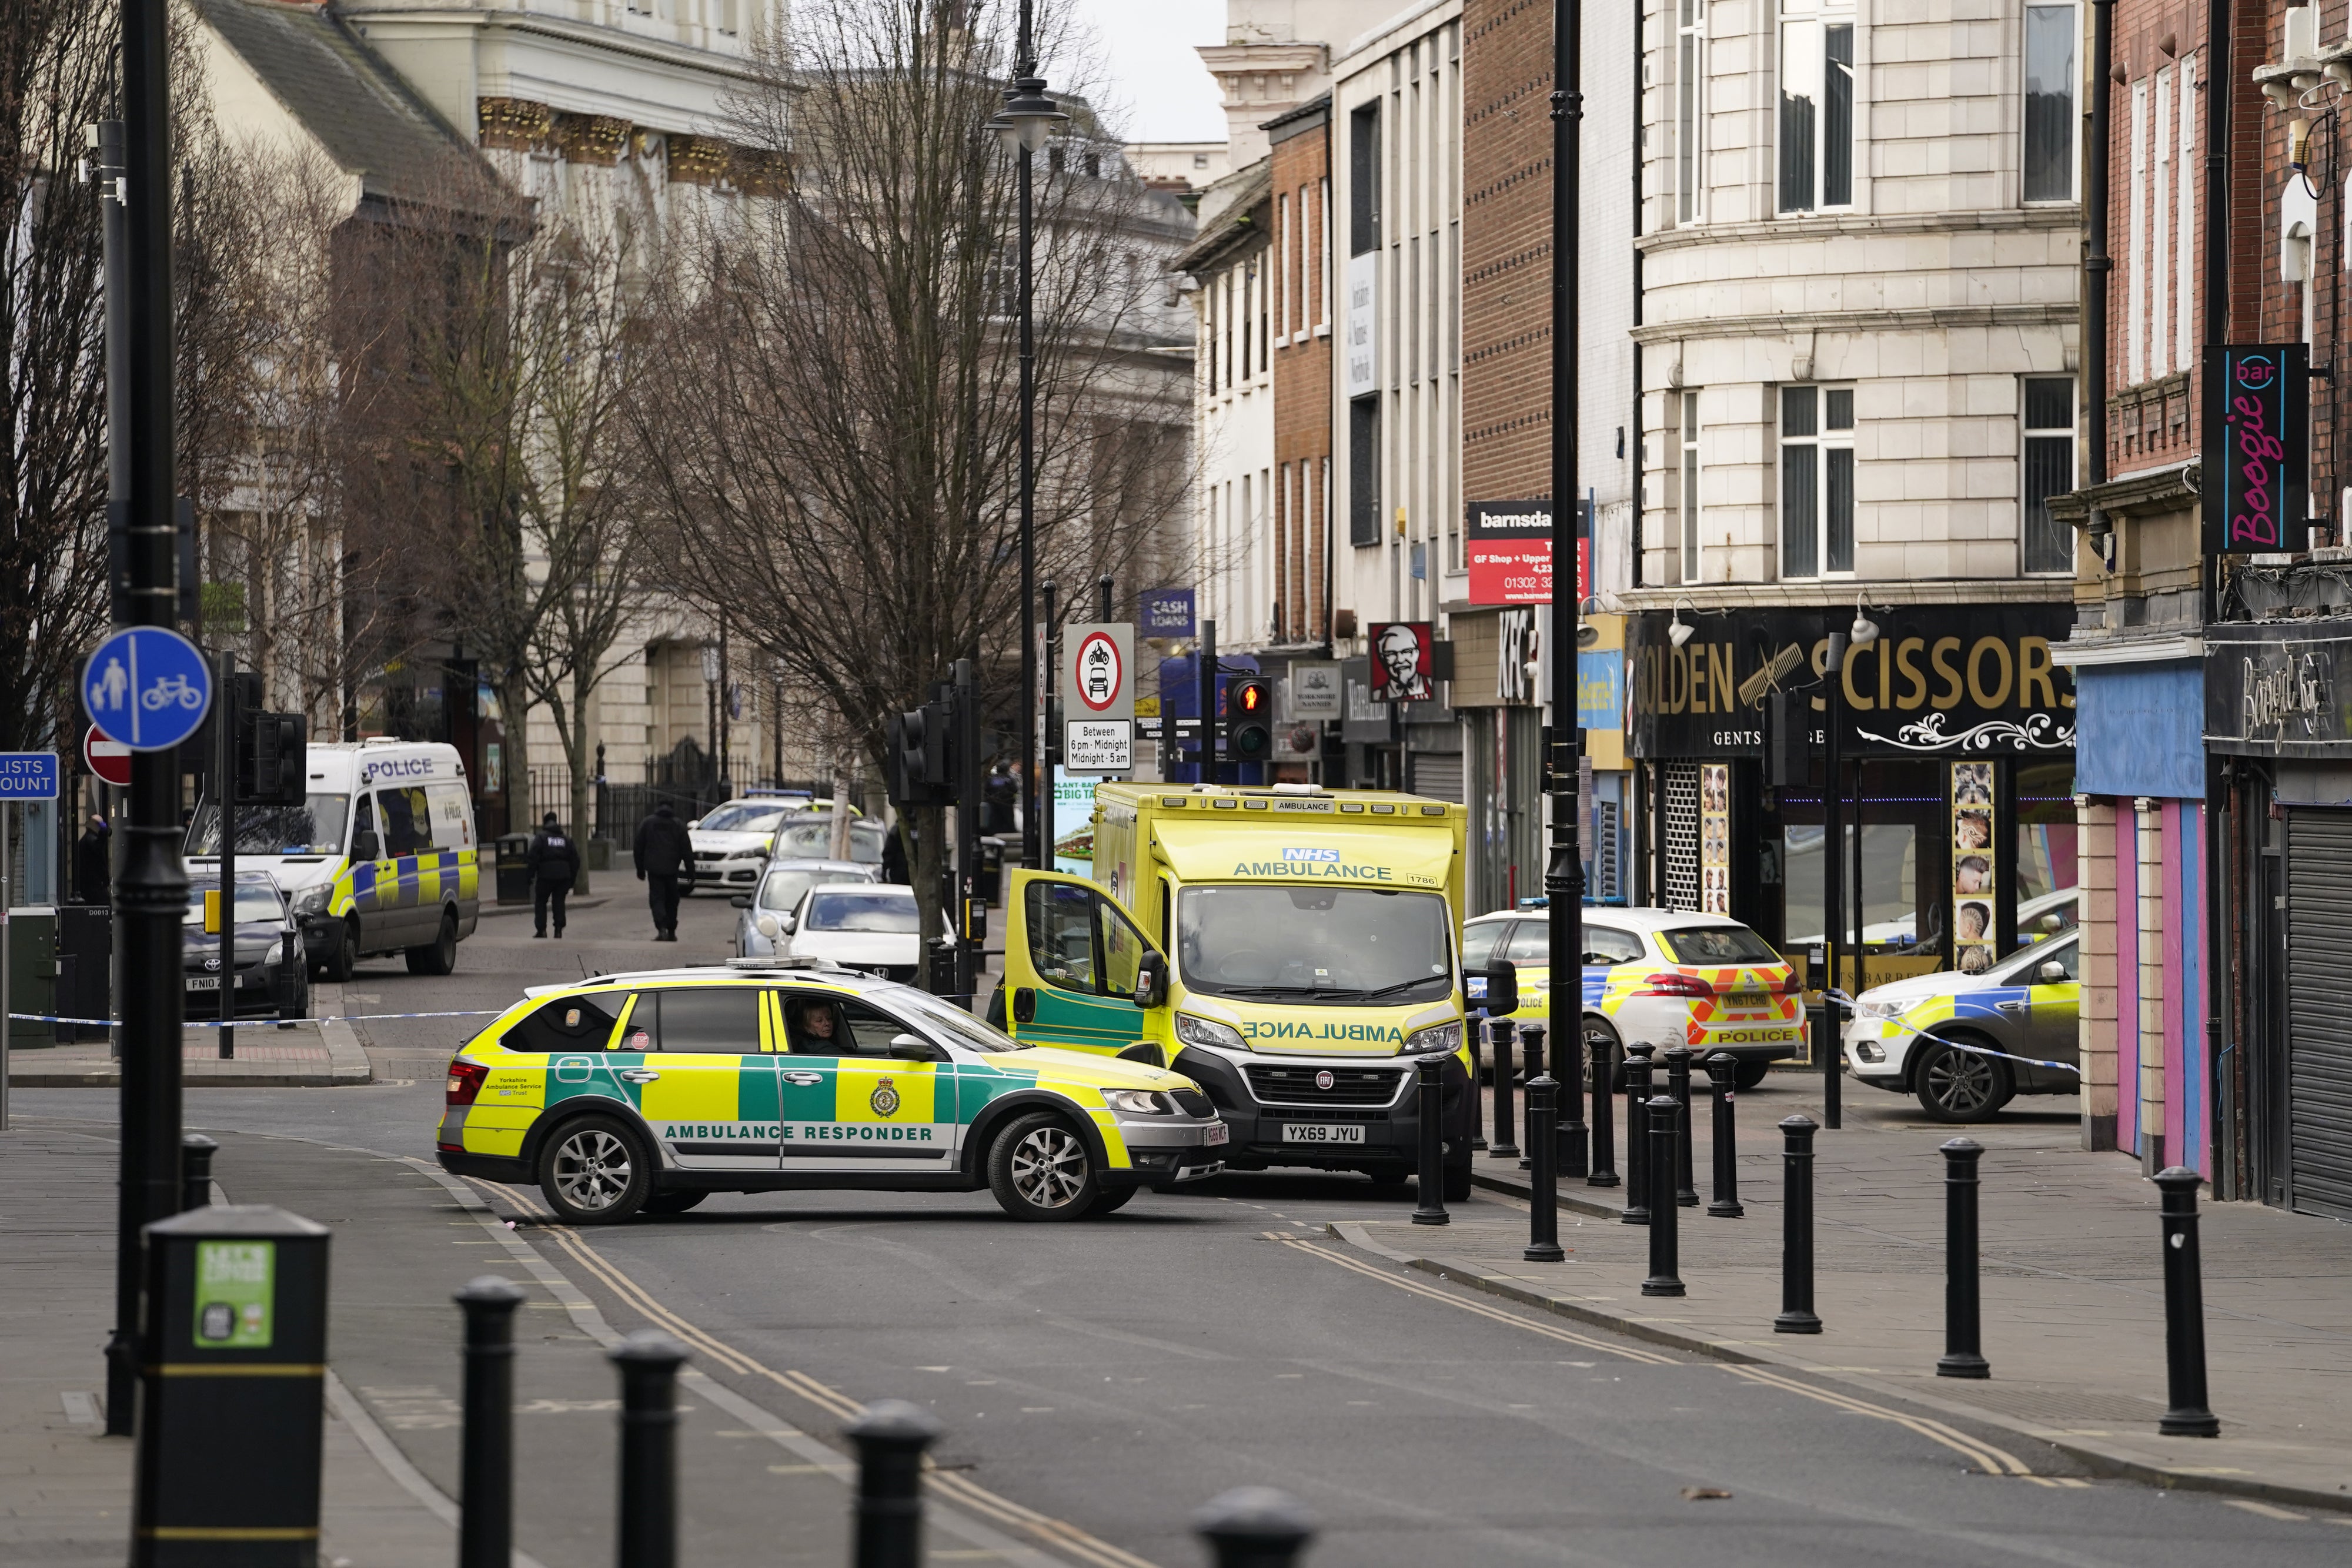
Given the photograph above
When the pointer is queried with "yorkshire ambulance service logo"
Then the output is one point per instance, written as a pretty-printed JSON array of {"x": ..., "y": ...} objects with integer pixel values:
[{"x": 885, "y": 1099}]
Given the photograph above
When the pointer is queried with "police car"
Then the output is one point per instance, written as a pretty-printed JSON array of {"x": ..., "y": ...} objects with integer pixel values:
[
  {"x": 1661, "y": 976},
  {"x": 649, "y": 1092},
  {"x": 1964, "y": 1043}
]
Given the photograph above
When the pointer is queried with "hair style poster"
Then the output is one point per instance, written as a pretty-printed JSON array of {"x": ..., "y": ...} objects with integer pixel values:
[
  {"x": 1973, "y": 863},
  {"x": 1715, "y": 838}
]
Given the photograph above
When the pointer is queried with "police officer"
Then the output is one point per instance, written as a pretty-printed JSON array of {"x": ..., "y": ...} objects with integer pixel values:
[
  {"x": 554, "y": 867},
  {"x": 664, "y": 852}
]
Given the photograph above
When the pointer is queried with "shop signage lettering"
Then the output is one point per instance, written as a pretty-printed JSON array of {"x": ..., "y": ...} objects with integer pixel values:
[
  {"x": 2257, "y": 400},
  {"x": 2271, "y": 690}
]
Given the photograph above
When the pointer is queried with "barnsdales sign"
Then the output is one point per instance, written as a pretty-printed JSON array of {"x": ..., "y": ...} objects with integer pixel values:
[{"x": 2257, "y": 447}]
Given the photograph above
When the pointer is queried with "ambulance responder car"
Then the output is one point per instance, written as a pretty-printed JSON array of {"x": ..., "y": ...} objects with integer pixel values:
[
  {"x": 650, "y": 1092},
  {"x": 1658, "y": 976},
  {"x": 1291, "y": 949},
  {"x": 2020, "y": 1015}
]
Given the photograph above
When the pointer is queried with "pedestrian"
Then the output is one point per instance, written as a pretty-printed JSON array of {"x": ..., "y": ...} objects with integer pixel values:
[
  {"x": 93, "y": 862},
  {"x": 664, "y": 852},
  {"x": 554, "y": 867},
  {"x": 894, "y": 854}
]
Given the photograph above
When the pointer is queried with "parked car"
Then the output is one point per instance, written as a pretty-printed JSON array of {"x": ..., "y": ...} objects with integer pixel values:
[
  {"x": 2024, "y": 1009},
  {"x": 268, "y": 969},
  {"x": 734, "y": 844},
  {"x": 874, "y": 928},
  {"x": 760, "y": 927}
]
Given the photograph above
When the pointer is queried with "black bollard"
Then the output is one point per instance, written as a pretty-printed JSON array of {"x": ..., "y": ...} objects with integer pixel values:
[
  {"x": 1543, "y": 1206},
  {"x": 1797, "y": 1229},
  {"x": 1665, "y": 1262},
  {"x": 196, "y": 1153},
  {"x": 1474, "y": 1038},
  {"x": 1604, "y": 1113},
  {"x": 1506, "y": 1120},
  {"x": 1963, "y": 1324},
  {"x": 486, "y": 1461},
  {"x": 888, "y": 1514},
  {"x": 1431, "y": 1109},
  {"x": 2184, "y": 1312},
  {"x": 1254, "y": 1527},
  {"x": 1722, "y": 1070},
  {"x": 648, "y": 1360},
  {"x": 1678, "y": 1085},
  {"x": 1638, "y": 1068},
  {"x": 1532, "y": 1051}
]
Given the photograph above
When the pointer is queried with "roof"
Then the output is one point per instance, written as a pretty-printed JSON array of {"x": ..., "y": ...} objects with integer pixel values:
[
  {"x": 344, "y": 94},
  {"x": 1315, "y": 111},
  {"x": 740, "y": 971},
  {"x": 1233, "y": 224},
  {"x": 1632, "y": 917}
]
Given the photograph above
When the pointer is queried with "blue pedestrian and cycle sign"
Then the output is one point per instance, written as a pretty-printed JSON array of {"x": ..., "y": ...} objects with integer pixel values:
[
  {"x": 29, "y": 775},
  {"x": 147, "y": 688}
]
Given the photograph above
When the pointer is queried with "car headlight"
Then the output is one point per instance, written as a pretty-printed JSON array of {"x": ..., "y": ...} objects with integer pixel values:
[
  {"x": 277, "y": 951},
  {"x": 1205, "y": 1031},
  {"x": 1866, "y": 1008},
  {"x": 1437, "y": 1037},
  {"x": 1139, "y": 1101},
  {"x": 767, "y": 926},
  {"x": 313, "y": 900}
]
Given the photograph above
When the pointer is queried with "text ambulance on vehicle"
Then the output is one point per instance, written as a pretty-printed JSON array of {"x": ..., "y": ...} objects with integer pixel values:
[
  {"x": 1291, "y": 950},
  {"x": 379, "y": 858}
]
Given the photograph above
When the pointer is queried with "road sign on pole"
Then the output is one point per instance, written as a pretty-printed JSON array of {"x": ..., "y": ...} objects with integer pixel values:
[
  {"x": 29, "y": 775},
  {"x": 147, "y": 687},
  {"x": 109, "y": 761},
  {"x": 1098, "y": 714}
]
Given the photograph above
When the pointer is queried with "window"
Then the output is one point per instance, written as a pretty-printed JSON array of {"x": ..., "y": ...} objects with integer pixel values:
[
  {"x": 1122, "y": 950},
  {"x": 1479, "y": 942},
  {"x": 407, "y": 822},
  {"x": 2050, "y": 123},
  {"x": 2136, "y": 256},
  {"x": 871, "y": 1030},
  {"x": 1283, "y": 243},
  {"x": 1607, "y": 944},
  {"x": 1364, "y": 471},
  {"x": 2049, "y": 471},
  {"x": 1690, "y": 110},
  {"x": 814, "y": 1026},
  {"x": 1061, "y": 935},
  {"x": 1816, "y": 105},
  {"x": 1323, "y": 252},
  {"x": 1530, "y": 942},
  {"x": 1364, "y": 179},
  {"x": 1718, "y": 944},
  {"x": 2161, "y": 203},
  {"x": 1247, "y": 364},
  {"x": 567, "y": 1024},
  {"x": 721, "y": 1019},
  {"x": 1688, "y": 499},
  {"x": 2185, "y": 228},
  {"x": 1265, "y": 321},
  {"x": 1816, "y": 481}
]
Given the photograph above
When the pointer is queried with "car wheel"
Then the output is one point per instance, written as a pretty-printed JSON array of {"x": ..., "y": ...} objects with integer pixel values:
[
  {"x": 1751, "y": 1075},
  {"x": 440, "y": 957},
  {"x": 1457, "y": 1177},
  {"x": 676, "y": 1202},
  {"x": 345, "y": 959},
  {"x": 1956, "y": 1085},
  {"x": 1111, "y": 1199},
  {"x": 1600, "y": 1032},
  {"x": 298, "y": 1005},
  {"x": 595, "y": 1172},
  {"x": 1040, "y": 1169}
]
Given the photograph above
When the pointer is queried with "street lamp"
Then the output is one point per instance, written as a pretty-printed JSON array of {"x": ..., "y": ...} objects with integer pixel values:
[{"x": 1027, "y": 121}]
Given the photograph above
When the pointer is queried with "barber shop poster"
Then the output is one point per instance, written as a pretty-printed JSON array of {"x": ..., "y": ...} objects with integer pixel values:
[
  {"x": 1973, "y": 863},
  {"x": 1715, "y": 838}
]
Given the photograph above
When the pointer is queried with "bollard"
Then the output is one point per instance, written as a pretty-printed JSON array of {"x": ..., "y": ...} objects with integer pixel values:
[
  {"x": 1532, "y": 1051},
  {"x": 1963, "y": 1327},
  {"x": 196, "y": 1153},
  {"x": 648, "y": 1360},
  {"x": 1722, "y": 1070},
  {"x": 1665, "y": 1264},
  {"x": 1678, "y": 1085},
  {"x": 2184, "y": 1312},
  {"x": 1543, "y": 1206},
  {"x": 485, "y": 1463},
  {"x": 1507, "y": 1121},
  {"x": 1254, "y": 1527},
  {"x": 1797, "y": 1229},
  {"x": 1638, "y": 1068},
  {"x": 1431, "y": 1109},
  {"x": 1604, "y": 1114},
  {"x": 888, "y": 1514},
  {"x": 1473, "y": 1037}
]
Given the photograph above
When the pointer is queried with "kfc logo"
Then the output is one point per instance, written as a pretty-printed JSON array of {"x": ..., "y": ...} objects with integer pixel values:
[{"x": 1404, "y": 671}]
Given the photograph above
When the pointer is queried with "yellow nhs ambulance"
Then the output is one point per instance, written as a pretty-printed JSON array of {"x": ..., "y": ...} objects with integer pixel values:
[{"x": 1292, "y": 950}]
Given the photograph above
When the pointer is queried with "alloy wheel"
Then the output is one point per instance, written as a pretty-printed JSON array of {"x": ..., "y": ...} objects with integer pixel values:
[
  {"x": 1049, "y": 1168},
  {"x": 593, "y": 1169},
  {"x": 1960, "y": 1082}
]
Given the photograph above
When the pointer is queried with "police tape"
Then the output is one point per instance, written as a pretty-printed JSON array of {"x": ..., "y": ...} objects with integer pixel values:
[
  {"x": 1963, "y": 1045},
  {"x": 259, "y": 1020}
]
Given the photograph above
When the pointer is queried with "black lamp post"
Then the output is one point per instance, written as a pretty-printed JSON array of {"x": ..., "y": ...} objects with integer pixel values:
[{"x": 1027, "y": 118}]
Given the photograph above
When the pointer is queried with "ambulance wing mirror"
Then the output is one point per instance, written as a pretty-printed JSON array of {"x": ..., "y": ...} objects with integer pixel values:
[
  {"x": 1151, "y": 981},
  {"x": 1497, "y": 988}
]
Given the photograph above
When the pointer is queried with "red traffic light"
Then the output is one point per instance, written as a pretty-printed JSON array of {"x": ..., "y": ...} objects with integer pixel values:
[{"x": 1250, "y": 696}]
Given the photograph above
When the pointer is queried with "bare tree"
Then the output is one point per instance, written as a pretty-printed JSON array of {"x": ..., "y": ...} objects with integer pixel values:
[{"x": 845, "y": 486}]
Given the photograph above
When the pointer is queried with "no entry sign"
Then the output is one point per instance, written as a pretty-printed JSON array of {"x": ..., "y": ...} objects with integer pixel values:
[{"x": 109, "y": 760}]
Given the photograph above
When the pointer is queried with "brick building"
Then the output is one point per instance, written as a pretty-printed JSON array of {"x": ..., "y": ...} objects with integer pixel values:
[{"x": 1300, "y": 168}]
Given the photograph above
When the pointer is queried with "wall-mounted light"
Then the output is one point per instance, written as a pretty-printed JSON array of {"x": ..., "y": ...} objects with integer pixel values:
[
  {"x": 1864, "y": 630},
  {"x": 1678, "y": 630}
]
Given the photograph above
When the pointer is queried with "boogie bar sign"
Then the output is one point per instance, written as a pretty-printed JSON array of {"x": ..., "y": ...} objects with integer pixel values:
[{"x": 2257, "y": 441}]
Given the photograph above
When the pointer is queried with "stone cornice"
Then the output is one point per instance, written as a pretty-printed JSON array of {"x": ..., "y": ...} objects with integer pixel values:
[
  {"x": 1925, "y": 319},
  {"x": 681, "y": 57},
  {"x": 1990, "y": 220},
  {"x": 1842, "y": 593}
]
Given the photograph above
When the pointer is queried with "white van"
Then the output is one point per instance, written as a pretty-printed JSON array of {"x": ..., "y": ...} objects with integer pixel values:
[{"x": 381, "y": 857}]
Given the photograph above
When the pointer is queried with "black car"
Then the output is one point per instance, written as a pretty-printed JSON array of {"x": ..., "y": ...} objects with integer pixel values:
[{"x": 270, "y": 971}]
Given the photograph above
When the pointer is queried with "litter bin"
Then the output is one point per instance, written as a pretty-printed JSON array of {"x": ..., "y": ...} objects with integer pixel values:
[
  {"x": 32, "y": 974},
  {"x": 85, "y": 968},
  {"x": 514, "y": 868},
  {"x": 991, "y": 882}
]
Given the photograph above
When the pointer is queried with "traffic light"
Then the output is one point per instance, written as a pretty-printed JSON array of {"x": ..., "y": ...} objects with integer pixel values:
[
  {"x": 921, "y": 755},
  {"x": 1788, "y": 743},
  {"x": 273, "y": 757},
  {"x": 1249, "y": 721}
]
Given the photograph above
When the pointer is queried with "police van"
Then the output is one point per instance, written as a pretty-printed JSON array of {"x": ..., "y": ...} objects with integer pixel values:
[{"x": 381, "y": 857}]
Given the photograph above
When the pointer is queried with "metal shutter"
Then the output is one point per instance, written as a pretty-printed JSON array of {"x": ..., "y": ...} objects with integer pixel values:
[
  {"x": 2319, "y": 1012},
  {"x": 1437, "y": 774},
  {"x": 1682, "y": 835}
]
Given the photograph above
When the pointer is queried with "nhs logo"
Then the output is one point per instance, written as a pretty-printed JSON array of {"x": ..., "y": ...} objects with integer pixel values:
[{"x": 1320, "y": 857}]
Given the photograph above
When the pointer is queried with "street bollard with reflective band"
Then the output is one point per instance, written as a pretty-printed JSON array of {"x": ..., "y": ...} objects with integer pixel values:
[
  {"x": 1678, "y": 1085},
  {"x": 486, "y": 1465},
  {"x": 1532, "y": 1051},
  {"x": 196, "y": 1153},
  {"x": 1604, "y": 1115},
  {"x": 648, "y": 1360},
  {"x": 1254, "y": 1527},
  {"x": 1507, "y": 1121},
  {"x": 1431, "y": 1110},
  {"x": 1638, "y": 1068},
  {"x": 1474, "y": 1038},
  {"x": 1963, "y": 1325},
  {"x": 1797, "y": 1229},
  {"x": 232, "y": 1390},
  {"x": 2184, "y": 1312},
  {"x": 1543, "y": 1197},
  {"x": 1665, "y": 1262},
  {"x": 891, "y": 1438},
  {"x": 1722, "y": 1075}
]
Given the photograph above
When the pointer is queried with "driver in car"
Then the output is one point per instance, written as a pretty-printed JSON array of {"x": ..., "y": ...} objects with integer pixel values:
[{"x": 813, "y": 1027}]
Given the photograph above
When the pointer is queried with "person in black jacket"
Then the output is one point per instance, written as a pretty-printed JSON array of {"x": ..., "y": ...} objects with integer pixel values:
[
  {"x": 93, "y": 866},
  {"x": 554, "y": 867},
  {"x": 663, "y": 852}
]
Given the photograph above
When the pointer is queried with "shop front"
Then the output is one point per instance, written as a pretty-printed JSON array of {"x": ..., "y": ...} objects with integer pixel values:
[{"x": 1956, "y": 788}]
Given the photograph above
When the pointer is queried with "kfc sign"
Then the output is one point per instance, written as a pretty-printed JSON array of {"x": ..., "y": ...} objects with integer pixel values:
[{"x": 1405, "y": 663}]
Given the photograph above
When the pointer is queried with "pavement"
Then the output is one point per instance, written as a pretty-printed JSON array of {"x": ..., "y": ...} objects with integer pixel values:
[{"x": 316, "y": 1054}]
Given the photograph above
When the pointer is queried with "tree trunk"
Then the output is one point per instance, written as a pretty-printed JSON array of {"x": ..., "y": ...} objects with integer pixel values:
[
  {"x": 575, "y": 757},
  {"x": 514, "y": 751}
]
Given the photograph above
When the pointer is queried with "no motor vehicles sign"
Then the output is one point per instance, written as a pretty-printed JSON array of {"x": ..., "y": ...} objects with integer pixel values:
[{"x": 1097, "y": 679}]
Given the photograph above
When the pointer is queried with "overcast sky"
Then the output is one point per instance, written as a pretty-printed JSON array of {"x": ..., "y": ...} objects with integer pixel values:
[{"x": 1160, "y": 90}]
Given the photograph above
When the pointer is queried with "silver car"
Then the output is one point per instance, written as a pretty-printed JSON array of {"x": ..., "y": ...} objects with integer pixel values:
[{"x": 760, "y": 925}]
